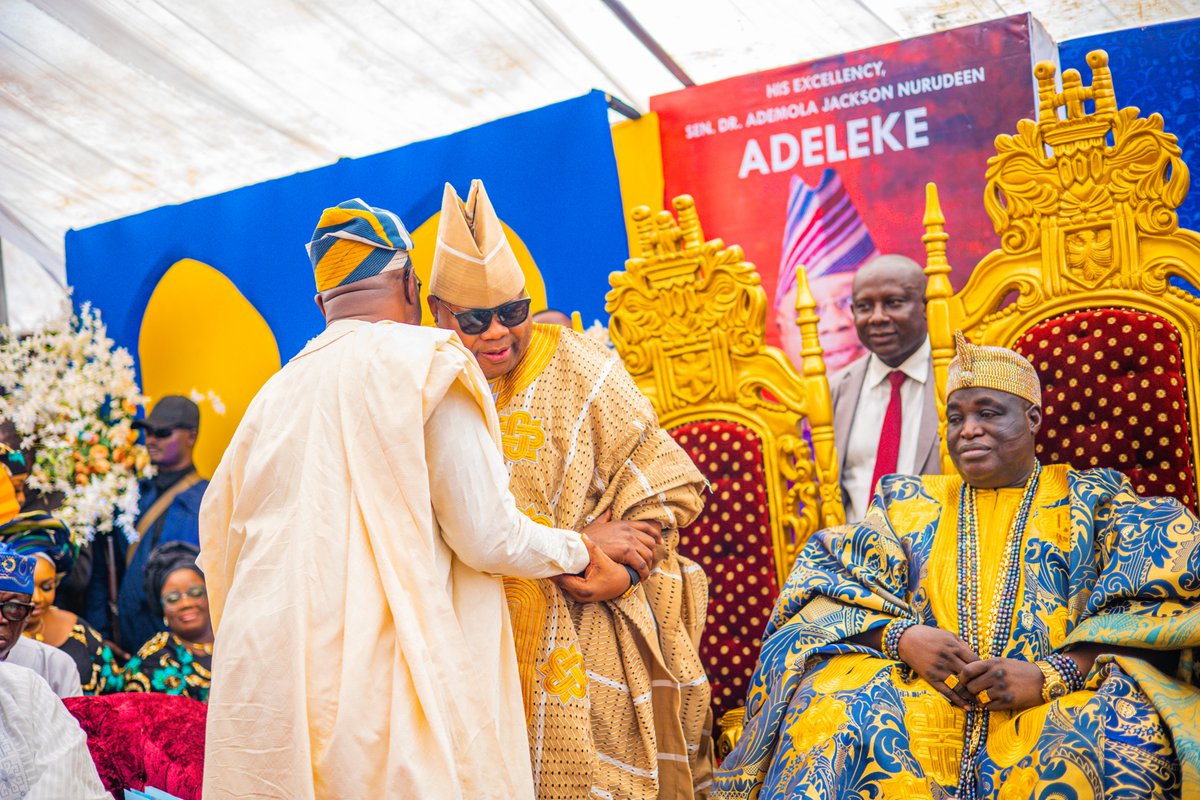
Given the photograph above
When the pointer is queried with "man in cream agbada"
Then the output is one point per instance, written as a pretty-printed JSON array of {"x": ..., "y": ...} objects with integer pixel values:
[{"x": 351, "y": 539}]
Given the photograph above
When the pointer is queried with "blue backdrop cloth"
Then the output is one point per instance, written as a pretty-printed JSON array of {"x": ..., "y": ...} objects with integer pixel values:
[
  {"x": 551, "y": 172},
  {"x": 1156, "y": 69}
]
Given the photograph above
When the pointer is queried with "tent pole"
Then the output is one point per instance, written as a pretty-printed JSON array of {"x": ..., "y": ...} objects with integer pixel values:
[
  {"x": 649, "y": 42},
  {"x": 3, "y": 290}
]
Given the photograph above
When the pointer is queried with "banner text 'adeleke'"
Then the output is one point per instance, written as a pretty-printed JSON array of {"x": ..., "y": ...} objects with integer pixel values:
[{"x": 831, "y": 142}]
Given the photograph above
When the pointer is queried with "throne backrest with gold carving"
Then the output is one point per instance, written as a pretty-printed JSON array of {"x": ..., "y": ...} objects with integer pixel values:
[
  {"x": 688, "y": 318},
  {"x": 1084, "y": 283}
]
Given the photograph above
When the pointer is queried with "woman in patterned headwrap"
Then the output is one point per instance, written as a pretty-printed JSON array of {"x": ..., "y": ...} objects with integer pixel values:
[
  {"x": 39, "y": 534},
  {"x": 179, "y": 659}
]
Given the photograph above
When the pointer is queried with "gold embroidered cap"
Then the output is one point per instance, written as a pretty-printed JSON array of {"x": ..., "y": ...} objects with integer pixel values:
[
  {"x": 977, "y": 366},
  {"x": 474, "y": 265}
]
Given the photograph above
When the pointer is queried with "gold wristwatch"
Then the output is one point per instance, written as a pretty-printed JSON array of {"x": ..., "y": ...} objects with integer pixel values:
[{"x": 1053, "y": 686}]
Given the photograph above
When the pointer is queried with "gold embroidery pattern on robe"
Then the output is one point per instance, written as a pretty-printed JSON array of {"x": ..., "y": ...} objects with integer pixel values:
[
  {"x": 522, "y": 436},
  {"x": 527, "y": 608},
  {"x": 634, "y": 728},
  {"x": 565, "y": 677}
]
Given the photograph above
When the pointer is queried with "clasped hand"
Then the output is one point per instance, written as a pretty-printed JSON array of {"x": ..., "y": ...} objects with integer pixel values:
[
  {"x": 611, "y": 544},
  {"x": 936, "y": 654}
]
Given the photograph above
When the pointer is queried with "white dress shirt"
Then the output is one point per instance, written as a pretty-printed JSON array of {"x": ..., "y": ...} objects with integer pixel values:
[
  {"x": 56, "y": 667},
  {"x": 43, "y": 751},
  {"x": 863, "y": 444}
]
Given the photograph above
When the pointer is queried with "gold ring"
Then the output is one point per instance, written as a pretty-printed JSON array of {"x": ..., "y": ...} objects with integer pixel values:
[
  {"x": 984, "y": 698},
  {"x": 951, "y": 680}
]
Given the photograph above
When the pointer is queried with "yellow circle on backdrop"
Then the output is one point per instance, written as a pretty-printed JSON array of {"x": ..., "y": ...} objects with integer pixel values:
[
  {"x": 201, "y": 335},
  {"x": 425, "y": 240}
]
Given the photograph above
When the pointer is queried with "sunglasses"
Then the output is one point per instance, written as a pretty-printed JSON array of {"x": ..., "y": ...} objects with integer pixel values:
[
  {"x": 196, "y": 592},
  {"x": 475, "y": 321},
  {"x": 159, "y": 433},
  {"x": 15, "y": 611}
]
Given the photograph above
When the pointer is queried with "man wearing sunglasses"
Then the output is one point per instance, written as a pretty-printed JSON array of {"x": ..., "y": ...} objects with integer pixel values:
[
  {"x": 352, "y": 542},
  {"x": 16, "y": 603},
  {"x": 168, "y": 511},
  {"x": 615, "y": 691}
]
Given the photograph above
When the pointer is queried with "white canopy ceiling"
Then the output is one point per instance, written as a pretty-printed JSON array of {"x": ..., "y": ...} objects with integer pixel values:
[{"x": 111, "y": 107}]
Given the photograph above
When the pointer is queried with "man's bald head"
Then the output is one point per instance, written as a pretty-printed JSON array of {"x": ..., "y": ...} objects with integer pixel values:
[
  {"x": 889, "y": 307},
  {"x": 901, "y": 269},
  {"x": 552, "y": 316}
]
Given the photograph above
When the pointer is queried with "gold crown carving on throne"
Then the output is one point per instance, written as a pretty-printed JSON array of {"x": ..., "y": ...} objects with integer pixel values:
[
  {"x": 688, "y": 318},
  {"x": 683, "y": 307},
  {"x": 1061, "y": 186}
]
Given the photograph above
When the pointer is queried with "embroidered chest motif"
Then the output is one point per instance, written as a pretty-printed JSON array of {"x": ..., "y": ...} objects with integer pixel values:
[{"x": 522, "y": 436}]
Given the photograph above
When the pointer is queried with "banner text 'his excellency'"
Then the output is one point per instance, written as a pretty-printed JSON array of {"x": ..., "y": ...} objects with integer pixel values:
[{"x": 829, "y": 143}]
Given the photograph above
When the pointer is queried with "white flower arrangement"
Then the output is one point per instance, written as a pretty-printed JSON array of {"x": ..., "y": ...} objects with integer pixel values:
[{"x": 72, "y": 397}]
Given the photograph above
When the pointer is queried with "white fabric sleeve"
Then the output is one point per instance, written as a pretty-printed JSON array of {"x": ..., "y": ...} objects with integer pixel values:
[
  {"x": 63, "y": 674},
  {"x": 477, "y": 514},
  {"x": 62, "y": 765},
  {"x": 53, "y": 665}
]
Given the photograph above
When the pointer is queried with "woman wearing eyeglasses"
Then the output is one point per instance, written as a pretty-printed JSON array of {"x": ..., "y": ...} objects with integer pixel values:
[
  {"x": 178, "y": 660},
  {"x": 49, "y": 540}
]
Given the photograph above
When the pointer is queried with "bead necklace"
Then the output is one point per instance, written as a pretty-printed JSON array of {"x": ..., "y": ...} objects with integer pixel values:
[
  {"x": 992, "y": 638},
  {"x": 199, "y": 648}
]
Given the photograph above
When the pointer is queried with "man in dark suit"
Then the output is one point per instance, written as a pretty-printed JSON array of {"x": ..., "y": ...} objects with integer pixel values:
[
  {"x": 884, "y": 413},
  {"x": 169, "y": 509}
]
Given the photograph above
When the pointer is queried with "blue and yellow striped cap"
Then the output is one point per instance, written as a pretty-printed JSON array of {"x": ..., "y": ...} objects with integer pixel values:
[{"x": 354, "y": 241}]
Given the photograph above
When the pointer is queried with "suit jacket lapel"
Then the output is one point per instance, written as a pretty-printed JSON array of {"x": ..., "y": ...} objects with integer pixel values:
[
  {"x": 927, "y": 439},
  {"x": 847, "y": 402}
]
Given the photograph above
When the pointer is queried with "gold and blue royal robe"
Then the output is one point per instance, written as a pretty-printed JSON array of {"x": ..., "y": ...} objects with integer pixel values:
[{"x": 829, "y": 718}]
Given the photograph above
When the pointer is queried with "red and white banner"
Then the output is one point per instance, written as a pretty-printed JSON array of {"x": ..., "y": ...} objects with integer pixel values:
[{"x": 824, "y": 164}]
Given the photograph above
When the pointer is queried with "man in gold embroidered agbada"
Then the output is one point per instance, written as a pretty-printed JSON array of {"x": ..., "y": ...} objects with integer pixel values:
[
  {"x": 1030, "y": 619},
  {"x": 616, "y": 697}
]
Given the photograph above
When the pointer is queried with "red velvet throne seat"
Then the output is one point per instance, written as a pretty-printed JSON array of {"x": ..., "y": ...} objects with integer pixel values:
[
  {"x": 1113, "y": 396},
  {"x": 145, "y": 739},
  {"x": 732, "y": 541},
  {"x": 688, "y": 318},
  {"x": 1086, "y": 283}
]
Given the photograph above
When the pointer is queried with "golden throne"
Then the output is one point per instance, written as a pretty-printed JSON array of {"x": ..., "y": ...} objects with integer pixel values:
[
  {"x": 1085, "y": 283},
  {"x": 688, "y": 318}
]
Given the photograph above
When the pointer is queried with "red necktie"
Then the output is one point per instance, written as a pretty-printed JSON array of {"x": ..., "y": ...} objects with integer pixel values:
[{"x": 889, "y": 437}]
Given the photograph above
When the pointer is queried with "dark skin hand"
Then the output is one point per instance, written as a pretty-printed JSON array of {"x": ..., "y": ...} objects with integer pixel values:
[
  {"x": 603, "y": 579},
  {"x": 1011, "y": 684},
  {"x": 1014, "y": 685},
  {"x": 933, "y": 654},
  {"x": 631, "y": 542}
]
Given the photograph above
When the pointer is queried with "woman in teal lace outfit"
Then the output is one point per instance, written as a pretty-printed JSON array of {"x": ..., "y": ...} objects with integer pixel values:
[{"x": 178, "y": 660}]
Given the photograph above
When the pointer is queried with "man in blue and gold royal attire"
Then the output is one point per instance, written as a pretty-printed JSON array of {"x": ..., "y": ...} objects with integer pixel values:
[
  {"x": 1013, "y": 631},
  {"x": 616, "y": 699}
]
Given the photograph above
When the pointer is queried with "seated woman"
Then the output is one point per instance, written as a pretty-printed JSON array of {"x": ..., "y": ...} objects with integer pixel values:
[
  {"x": 39, "y": 534},
  {"x": 1011, "y": 633},
  {"x": 178, "y": 660}
]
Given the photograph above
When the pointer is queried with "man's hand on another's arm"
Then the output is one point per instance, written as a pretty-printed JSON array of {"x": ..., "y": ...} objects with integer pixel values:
[
  {"x": 604, "y": 579},
  {"x": 629, "y": 542}
]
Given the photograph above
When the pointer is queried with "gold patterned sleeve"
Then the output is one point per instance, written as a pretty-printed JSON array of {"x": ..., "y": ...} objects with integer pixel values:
[{"x": 645, "y": 474}]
